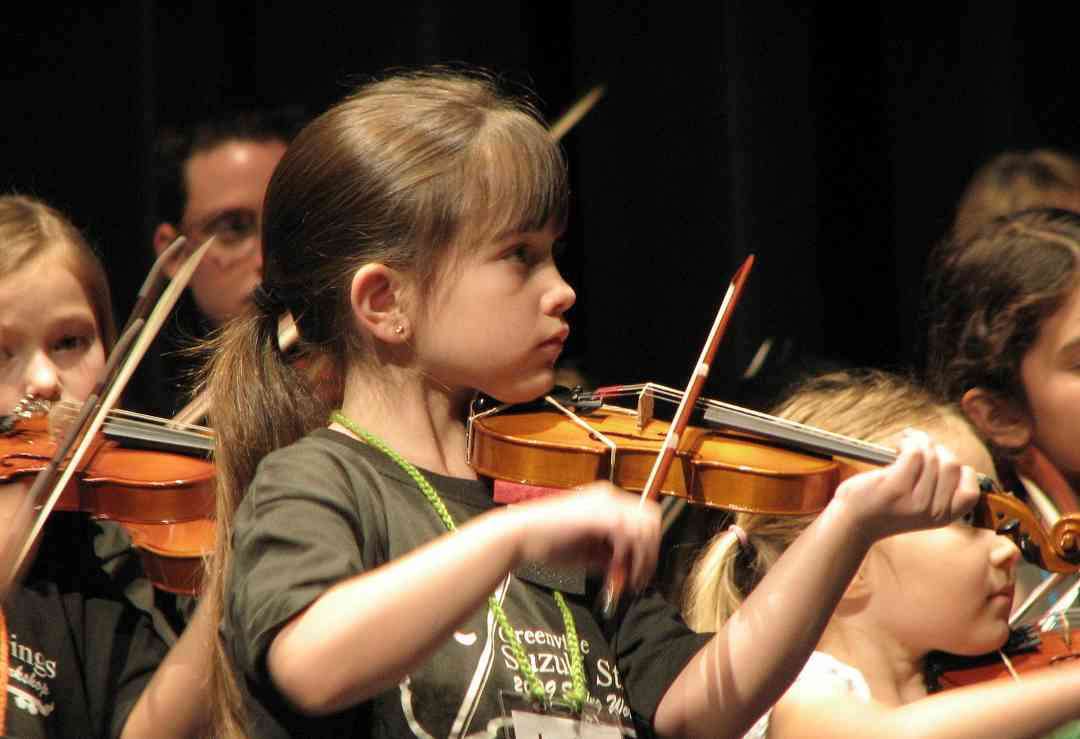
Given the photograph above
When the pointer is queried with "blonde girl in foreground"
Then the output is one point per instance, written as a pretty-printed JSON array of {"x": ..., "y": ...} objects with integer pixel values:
[{"x": 948, "y": 589}]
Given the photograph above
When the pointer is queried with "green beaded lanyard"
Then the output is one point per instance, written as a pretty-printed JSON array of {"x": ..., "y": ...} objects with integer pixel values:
[{"x": 577, "y": 693}]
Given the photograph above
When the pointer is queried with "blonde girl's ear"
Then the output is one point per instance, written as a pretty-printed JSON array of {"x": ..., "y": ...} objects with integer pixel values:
[
  {"x": 1000, "y": 420},
  {"x": 858, "y": 592},
  {"x": 378, "y": 296}
]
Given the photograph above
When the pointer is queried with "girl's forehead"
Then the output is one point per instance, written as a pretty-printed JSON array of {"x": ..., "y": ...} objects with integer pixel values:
[
  {"x": 1063, "y": 326},
  {"x": 49, "y": 283},
  {"x": 957, "y": 436}
]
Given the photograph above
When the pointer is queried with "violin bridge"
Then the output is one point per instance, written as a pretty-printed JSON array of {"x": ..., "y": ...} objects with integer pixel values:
[{"x": 645, "y": 408}]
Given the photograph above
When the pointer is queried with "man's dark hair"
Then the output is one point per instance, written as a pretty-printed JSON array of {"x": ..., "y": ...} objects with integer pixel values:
[{"x": 175, "y": 146}]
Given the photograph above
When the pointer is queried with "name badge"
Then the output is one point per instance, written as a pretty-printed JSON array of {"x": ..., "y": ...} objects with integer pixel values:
[{"x": 556, "y": 721}]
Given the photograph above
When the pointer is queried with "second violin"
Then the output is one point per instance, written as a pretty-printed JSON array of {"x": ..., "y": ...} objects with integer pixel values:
[{"x": 735, "y": 459}]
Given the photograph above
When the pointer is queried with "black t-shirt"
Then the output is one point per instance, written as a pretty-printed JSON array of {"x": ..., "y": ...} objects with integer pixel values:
[
  {"x": 79, "y": 653},
  {"x": 328, "y": 508}
]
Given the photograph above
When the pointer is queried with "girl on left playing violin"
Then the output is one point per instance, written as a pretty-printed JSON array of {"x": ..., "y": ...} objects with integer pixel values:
[{"x": 77, "y": 655}]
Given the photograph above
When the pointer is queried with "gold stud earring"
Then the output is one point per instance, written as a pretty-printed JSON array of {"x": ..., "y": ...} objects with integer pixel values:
[{"x": 399, "y": 330}]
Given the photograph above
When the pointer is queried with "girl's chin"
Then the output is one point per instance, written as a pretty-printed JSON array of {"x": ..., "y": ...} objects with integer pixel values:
[
  {"x": 994, "y": 640},
  {"x": 523, "y": 392}
]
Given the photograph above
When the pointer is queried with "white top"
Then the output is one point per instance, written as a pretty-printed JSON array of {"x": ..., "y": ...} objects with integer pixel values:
[{"x": 820, "y": 667}]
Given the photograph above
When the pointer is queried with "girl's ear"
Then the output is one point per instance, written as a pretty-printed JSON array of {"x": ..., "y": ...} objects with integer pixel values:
[
  {"x": 999, "y": 419},
  {"x": 378, "y": 299},
  {"x": 859, "y": 590}
]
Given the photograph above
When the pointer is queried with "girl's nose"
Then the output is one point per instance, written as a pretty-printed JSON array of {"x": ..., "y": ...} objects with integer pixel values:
[
  {"x": 42, "y": 378},
  {"x": 559, "y": 298},
  {"x": 1004, "y": 553}
]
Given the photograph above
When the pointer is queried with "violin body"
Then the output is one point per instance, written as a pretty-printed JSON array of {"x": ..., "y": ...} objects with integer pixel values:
[
  {"x": 115, "y": 482},
  {"x": 165, "y": 500},
  {"x": 1046, "y": 649},
  {"x": 731, "y": 470}
]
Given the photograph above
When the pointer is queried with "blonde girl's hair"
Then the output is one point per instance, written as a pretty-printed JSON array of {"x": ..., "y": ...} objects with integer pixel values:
[
  {"x": 401, "y": 172},
  {"x": 865, "y": 404},
  {"x": 30, "y": 229}
]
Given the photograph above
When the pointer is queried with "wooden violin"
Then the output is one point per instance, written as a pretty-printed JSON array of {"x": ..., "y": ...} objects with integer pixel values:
[
  {"x": 162, "y": 496},
  {"x": 734, "y": 458},
  {"x": 1027, "y": 649}
]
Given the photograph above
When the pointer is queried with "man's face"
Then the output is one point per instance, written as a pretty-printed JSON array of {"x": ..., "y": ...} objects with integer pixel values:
[{"x": 225, "y": 188}]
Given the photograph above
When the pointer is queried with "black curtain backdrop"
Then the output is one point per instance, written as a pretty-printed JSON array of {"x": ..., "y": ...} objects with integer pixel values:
[{"x": 831, "y": 142}]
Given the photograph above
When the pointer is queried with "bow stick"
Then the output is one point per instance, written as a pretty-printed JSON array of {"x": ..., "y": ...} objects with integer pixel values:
[
  {"x": 614, "y": 586},
  {"x": 575, "y": 113}
]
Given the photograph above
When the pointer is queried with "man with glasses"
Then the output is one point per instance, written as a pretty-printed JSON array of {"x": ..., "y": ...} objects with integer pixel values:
[
  {"x": 211, "y": 180},
  {"x": 211, "y": 183}
]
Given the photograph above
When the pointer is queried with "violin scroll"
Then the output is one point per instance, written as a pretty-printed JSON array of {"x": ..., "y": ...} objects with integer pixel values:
[{"x": 1056, "y": 551}]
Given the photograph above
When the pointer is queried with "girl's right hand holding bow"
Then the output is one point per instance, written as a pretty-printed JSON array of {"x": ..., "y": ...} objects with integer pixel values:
[{"x": 924, "y": 488}]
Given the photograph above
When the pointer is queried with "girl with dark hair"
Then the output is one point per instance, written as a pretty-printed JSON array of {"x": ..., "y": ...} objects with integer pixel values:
[
  {"x": 947, "y": 589},
  {"x": 367, "y": 583},
  {"x": 1004, "y": 344}
]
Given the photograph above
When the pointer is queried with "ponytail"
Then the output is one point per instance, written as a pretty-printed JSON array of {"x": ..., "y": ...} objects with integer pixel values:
[
  {"x": 259, "y": 402},
  {"x": 729, "y": 569}
]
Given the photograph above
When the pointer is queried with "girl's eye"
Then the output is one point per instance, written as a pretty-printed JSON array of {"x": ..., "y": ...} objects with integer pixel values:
[
  {"x": 968, "y": 519},
  {"x": 72, "y": 342},
  {"x": 520, "y": 253}
]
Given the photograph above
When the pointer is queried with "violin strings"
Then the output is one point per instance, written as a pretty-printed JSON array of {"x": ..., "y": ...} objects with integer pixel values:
[
  {"x": 836, "y": 443},
  {"x": 141, "y": 427},
  {"x": 164, "y": 423},
  {"x": 70, "y": 407}
]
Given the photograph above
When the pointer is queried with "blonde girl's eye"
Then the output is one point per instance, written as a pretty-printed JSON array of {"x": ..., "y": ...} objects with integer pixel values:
[
  {"x": 968, "y": 519},
  {"x": 72, "y": 342}
]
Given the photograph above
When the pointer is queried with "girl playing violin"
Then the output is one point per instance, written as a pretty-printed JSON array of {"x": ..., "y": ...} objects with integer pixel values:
[
  {"x": 947, "y": 589},
  {"x": 1004, "y": 344},
  {"x": 79, "y": 653},
  {"x": 368, "y": 584}
]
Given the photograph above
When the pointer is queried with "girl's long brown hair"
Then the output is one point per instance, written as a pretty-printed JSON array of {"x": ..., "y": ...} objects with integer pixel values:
[{"x": 397, "y": 173}]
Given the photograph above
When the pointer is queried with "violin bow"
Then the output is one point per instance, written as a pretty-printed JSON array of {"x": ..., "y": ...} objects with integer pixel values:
[
  {"x": 138, "y": 334},
  {"x": 614, "y": 585},
  {"x": 573, "y": 115}
]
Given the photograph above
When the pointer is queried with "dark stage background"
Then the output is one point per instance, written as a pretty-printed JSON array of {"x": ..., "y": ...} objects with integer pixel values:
[{"x": 832, "y": 143}]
